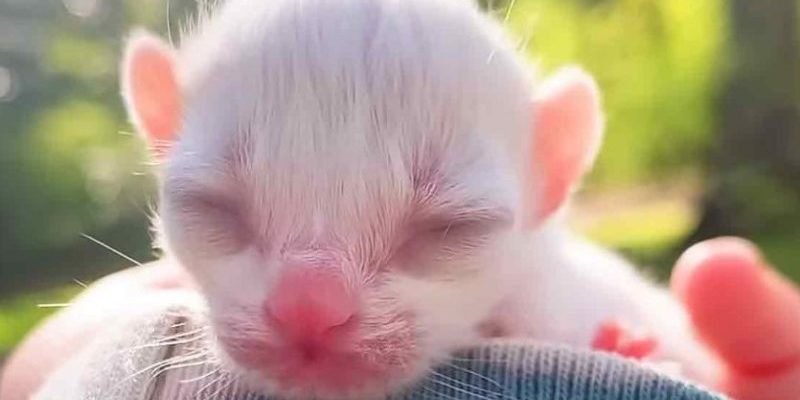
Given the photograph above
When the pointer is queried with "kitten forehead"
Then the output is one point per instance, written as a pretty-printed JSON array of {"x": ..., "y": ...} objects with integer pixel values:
[{"x": 348, "y": 106}]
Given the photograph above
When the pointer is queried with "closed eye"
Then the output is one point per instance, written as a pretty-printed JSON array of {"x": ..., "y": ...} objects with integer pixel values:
[
  {"x": 454, "y": 235},
  {"x": 212, "y": 223}
]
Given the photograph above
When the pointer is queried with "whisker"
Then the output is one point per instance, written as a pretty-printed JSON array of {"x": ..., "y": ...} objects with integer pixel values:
[
  {"x": 210, "y": 383},
  {"x": 162, "y": 344},
  {"x": 437, "y": 393},
  {"x": 182, "y": 324},
  {"x": 465, "y": 370},
  {"x": 467, "y": 385},
  {"x": 447, "y": 230},
  {"x": 201, "y": 377},
  {"x": 223, "y": 381},
  {"x": 489, "y": 360},
  {"x": 54, "y": 305},
  {"x": 458, "y": 389},
  {"x": 111, "y": 249},
  {"x": 509, "y": 10},
  {"x": 187, "y": 337},
  {"x": 177, "y": 366},
  {"x": 160, "y": 364},
  {"x": 79, "y": 283},
  {"x": 202, "y": 330},
  {"x": 524, "y": 43},
  {"x": 169, "y": 24},
  {"x": 223, "y": 387},
  {"x": 158, "y": 373}
]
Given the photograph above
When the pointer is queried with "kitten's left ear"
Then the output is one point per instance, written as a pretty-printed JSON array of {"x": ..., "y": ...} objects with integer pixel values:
[
  {"x": 151, "y": 90},
  {"x": 567, "y": 132}
]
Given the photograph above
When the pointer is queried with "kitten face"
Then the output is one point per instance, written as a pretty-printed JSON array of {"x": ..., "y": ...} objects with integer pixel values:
[
  {"x": 417, "y": 255},
  {"x": 345, "y": 186}
]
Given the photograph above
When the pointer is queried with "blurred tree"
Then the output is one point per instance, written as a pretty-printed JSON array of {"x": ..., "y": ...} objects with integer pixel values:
[
  {"x": 68, "y": 161},
  {"x": 65, "y": 169},
  {"x": 755, "y": 164},
  {"x": 657, "y": 65}
]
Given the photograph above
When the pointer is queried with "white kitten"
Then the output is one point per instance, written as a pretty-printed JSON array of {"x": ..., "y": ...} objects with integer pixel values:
[{"x": 362, "y": 186}]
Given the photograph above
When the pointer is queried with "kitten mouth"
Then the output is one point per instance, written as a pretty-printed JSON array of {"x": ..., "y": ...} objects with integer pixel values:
[
  {"x": 370, "y": 362},
  {"x": 306, "y": 372},
  {"x": 334, "y": 375}
]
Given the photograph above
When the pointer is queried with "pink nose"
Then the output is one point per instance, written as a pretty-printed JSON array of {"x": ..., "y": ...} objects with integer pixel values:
[{"x": 308, "y": 303}]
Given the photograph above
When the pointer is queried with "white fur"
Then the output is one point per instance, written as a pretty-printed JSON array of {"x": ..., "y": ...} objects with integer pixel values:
[
  {"x": 317, "y": 116},
  {"x": 573, "y": 286}
]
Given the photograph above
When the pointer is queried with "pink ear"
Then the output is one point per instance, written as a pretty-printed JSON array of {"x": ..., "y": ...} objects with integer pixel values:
[
  {"x": 567, "y": 134},
  {"x": 151, "y": 91}
]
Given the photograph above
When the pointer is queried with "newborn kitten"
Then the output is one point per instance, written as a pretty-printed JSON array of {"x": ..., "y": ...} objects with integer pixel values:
[{"x": 360, "y": 187}]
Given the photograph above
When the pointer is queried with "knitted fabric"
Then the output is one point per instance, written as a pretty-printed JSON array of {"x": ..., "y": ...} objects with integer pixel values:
[{"x": 129, "y": 363}]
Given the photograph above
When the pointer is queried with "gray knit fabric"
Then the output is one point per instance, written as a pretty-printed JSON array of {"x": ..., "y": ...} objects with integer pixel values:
[{"x": 161, "y": 355}]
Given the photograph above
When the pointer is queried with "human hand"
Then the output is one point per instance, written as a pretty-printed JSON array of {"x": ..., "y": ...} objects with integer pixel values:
[{"x": 747, "y": 314}]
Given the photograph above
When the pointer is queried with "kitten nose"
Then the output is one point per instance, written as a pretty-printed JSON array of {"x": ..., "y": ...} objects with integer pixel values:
[{"x": 308, "y": 303}]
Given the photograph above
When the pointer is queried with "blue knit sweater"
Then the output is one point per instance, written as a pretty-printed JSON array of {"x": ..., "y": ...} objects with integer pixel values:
[{"x": 125, "y": 364}]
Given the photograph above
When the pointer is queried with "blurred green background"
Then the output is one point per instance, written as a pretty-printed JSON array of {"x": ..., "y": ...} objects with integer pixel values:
[{"x": 703, "y": 132}]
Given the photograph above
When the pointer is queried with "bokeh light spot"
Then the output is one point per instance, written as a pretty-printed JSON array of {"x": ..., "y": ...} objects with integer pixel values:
[
  {"x": 82, "y": 8},
  {"x": 7, "y": 92}
]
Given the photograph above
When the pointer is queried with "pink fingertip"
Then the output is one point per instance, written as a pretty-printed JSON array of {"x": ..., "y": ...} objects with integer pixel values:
[{"x": 744, "y": 311}]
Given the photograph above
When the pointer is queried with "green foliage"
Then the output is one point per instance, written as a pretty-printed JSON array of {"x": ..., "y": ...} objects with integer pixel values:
[
  {"x": 68, "y": 152},
  {"x": 21, "y": 314},
  {"x": 649, "y": 228},
  {"x": 777, "y": 208},
  {"x": 656, "y": 63},
  {"x": 74, "y": 154},
  {"x": 81, "y": 58}
]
